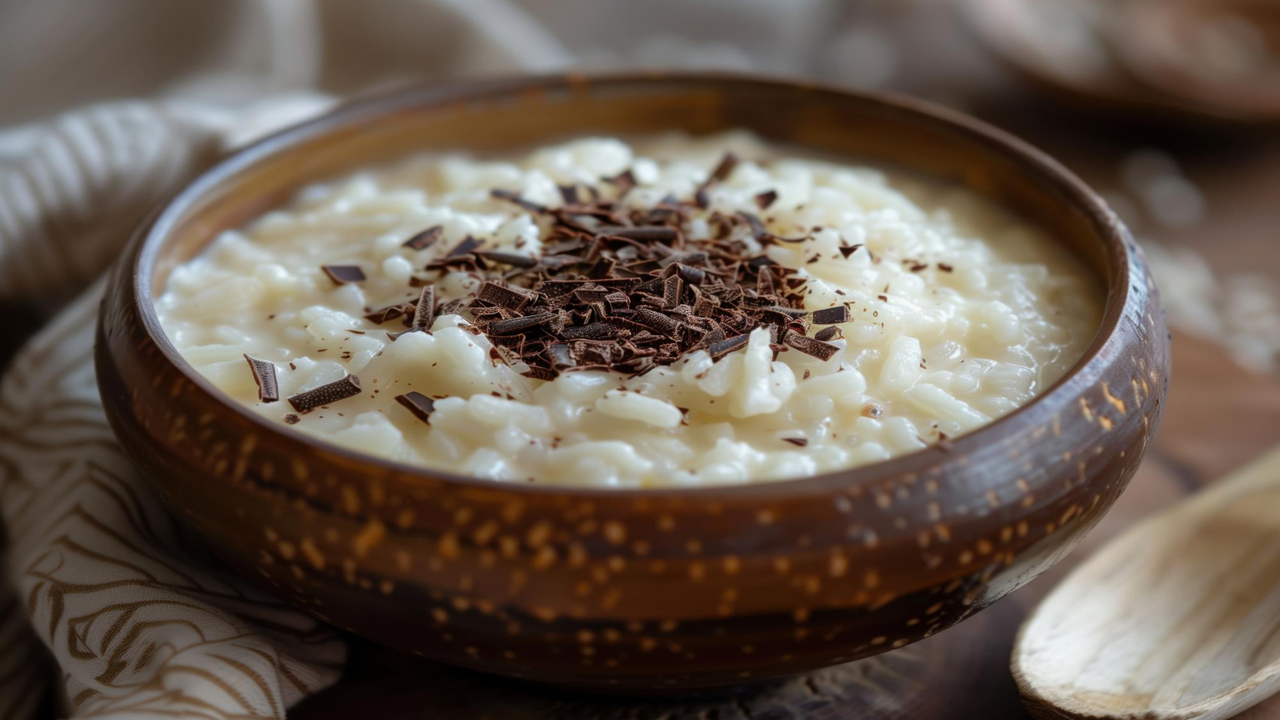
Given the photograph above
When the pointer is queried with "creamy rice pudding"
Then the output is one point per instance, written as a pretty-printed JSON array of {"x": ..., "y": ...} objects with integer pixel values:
[{"x": 676, "y": 311}]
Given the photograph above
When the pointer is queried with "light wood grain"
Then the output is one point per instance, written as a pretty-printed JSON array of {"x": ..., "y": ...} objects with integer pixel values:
[{"x": 1178, "y": 618}]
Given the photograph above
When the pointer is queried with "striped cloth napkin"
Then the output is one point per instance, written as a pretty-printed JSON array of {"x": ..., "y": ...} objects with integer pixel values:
[{"x": 109, "y": 606}]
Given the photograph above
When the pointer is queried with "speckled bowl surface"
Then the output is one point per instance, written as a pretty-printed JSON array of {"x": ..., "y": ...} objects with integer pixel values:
[{"x": 639, "y": 589}]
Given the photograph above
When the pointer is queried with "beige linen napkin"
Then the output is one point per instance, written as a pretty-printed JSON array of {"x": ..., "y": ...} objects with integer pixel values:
[{"x": 139, "y": 618}]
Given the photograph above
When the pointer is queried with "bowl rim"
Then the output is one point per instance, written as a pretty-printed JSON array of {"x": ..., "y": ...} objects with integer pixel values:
[{"x": 1120, "y": 294}]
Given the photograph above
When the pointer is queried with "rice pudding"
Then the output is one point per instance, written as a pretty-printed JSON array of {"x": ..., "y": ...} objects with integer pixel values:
[{"x": 673, "y": 311}]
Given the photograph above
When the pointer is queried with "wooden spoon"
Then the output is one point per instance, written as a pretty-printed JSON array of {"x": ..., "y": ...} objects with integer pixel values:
[{"x": 1179, "y": 617}]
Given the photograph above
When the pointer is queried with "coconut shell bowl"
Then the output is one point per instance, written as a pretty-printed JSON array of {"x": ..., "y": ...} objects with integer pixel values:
[{"x": 639, "y": 590}]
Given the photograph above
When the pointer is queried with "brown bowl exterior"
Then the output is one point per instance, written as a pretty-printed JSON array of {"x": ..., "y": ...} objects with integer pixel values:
[{"x": 632, "y": 590}]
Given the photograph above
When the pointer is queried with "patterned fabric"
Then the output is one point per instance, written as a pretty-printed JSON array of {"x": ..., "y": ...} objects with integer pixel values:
[{"x": 107, "y": 600}]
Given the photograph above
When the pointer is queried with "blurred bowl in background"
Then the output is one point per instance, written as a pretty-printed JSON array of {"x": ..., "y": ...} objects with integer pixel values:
[
  {"x": 1215, "y": 53},
  {"x": 1186, "y": 61}
]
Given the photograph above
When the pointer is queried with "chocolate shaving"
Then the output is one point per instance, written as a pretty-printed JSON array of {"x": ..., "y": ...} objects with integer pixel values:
[
  {"x": 766, "y": 198},
  {"x": 771, "y": 238},
  {"x": 564, "y": 246},
  {"x": 424, "y": 239},
  {"x": 690, "y": 274},
  {"x": 680, "y": 258},
  {"x": 831, "y": 316},
  {"x": 504, "y": 297},
  {"x": 343, "y": 274},
  {"x": 764, "y": 282},
  {"x": 798, "y": 442},
  {"x": 719, "y": 349},
  {"x": 515, "y": 197},
  {"x": 305, "y": 402},
  {"x": 617, "y": 301},
  {"x": 424, "y": 312},
  {"x": 291, "y": 419},
  {"x": 264, "y": 374},
  {"x": 420, "y": 405},
  {"x": 722, "y": 170},
  {"x": 832, "y": 332},
  {"x": 594, "y": 331},
  {"x": 810, "y": 346},
  {"x": 515, "y": 325},
  {"x": 557, "y": 288},
  {"x": 702, "y": 198},
  {"x": 645, "y": 233},
  {"x": 847, "y": 250},
  {"x": 568, "y": 193},
  {"x": 465, "y": 247},
  {"x": 602, "y": 268},
  {"x": 671, "y": 288},
  {"x": 658, "y": 322}
]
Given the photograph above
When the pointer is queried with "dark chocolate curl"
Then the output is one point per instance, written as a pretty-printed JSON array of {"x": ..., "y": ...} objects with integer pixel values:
[{"x": 305, "y": 402}]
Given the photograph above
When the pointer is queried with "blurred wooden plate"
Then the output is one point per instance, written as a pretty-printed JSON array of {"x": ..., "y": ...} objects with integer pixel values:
[
  {"x": 1215, "y": 53},
  {"x": 1084, "y": 52}
]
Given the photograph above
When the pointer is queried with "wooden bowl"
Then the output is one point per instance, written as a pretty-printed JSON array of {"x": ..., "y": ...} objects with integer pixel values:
[{"x": 639, "y": 589}]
